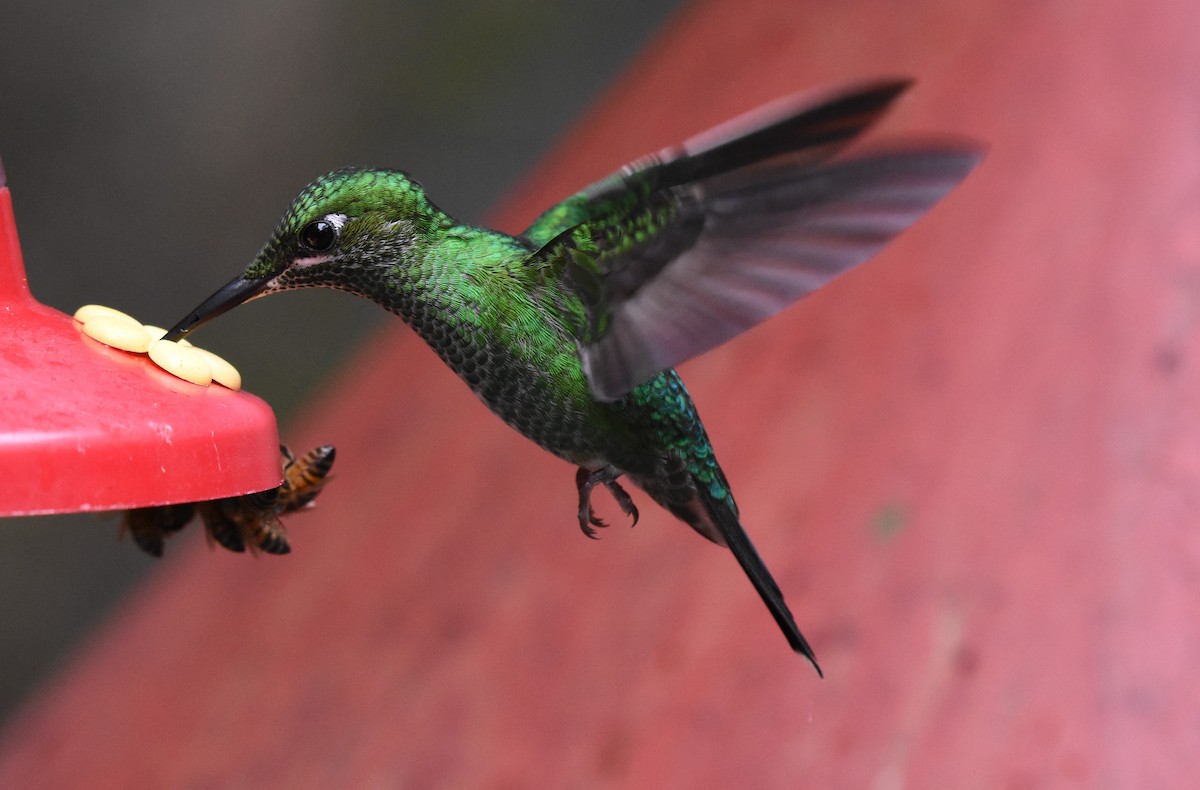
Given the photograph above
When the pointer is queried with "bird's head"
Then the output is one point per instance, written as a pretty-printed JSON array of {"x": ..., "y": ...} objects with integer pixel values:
[{"x": 340, "y": 232}]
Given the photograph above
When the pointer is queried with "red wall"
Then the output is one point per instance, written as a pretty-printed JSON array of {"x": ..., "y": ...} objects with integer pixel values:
[{"x": 972, "y": 465}]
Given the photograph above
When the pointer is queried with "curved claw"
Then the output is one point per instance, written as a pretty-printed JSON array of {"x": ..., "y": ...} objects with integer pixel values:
[
  {"x": 593, "y": 520},
  {"x": 585, "y": 481},
  {"x": 587, "y": 528},
  {"x": 623, "y": 499}
]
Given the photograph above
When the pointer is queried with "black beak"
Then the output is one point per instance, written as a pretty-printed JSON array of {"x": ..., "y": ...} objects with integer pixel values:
[{"x": 228, "y": 297}]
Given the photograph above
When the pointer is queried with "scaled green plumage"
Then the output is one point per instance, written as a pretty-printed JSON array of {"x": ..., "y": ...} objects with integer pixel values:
[{"x": 570, "y": 331}]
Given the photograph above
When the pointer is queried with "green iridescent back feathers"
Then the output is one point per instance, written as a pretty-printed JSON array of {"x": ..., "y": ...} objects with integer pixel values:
[{"x": 571, "y": 331}]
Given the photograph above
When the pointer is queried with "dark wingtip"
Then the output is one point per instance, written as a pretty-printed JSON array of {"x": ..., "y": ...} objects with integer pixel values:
[
  {"x": 898, "y": 85},
  {"x": 870, "y": 96},
  {"x": 814, "y": 124},
  {"x": 881, "y": 89}
]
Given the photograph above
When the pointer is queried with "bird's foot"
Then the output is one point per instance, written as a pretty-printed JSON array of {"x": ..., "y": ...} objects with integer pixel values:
[{"x": 585, "y": 481}]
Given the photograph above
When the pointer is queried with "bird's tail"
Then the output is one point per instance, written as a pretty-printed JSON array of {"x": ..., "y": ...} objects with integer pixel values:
[{"x": 725, "y": 519}]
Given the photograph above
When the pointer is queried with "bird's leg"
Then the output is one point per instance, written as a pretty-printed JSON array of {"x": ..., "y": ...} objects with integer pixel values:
[{"x": 585, "y": 481}]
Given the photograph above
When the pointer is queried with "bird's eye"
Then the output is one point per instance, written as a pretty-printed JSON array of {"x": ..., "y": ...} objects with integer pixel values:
[{"x": 319, "y": 235}]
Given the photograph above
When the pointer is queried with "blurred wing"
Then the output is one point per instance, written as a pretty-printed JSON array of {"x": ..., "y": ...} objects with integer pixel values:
[
  {"x": 807, "y": 128},
  {"x": 694, "y": 266}
]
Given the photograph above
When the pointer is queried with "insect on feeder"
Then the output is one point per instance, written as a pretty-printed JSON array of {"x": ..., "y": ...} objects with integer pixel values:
[{"x": 88, "y": 427}]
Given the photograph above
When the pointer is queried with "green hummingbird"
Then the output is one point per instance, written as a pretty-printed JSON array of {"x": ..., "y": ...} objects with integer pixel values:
[{"x": 570, "y": 331}]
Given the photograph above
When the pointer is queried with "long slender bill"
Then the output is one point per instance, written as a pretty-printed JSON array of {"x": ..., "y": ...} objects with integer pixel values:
[{"x": 232, "y": 294}]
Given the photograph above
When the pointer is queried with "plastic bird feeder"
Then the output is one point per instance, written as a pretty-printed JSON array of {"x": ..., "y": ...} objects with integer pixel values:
[{"x": 87, "y": 427}]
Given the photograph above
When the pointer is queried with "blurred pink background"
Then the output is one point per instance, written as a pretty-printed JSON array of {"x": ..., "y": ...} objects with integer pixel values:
[{"x": 971, "y": 465}]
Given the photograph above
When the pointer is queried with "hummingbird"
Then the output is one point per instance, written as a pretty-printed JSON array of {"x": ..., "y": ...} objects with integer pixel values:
[{"x": 570, "y": 331}]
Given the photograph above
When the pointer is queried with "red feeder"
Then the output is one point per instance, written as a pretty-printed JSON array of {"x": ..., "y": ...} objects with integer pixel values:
[{"x": 87, "y": 427}]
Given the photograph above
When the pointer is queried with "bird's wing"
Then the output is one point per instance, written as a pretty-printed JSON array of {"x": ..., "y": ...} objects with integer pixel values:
[
  {"x": 680, "y": 255},
  {"x": 806, "y": 128}
]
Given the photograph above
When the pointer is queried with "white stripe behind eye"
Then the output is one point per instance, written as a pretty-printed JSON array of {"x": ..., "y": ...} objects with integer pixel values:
[{"x": 300, "y": 263}]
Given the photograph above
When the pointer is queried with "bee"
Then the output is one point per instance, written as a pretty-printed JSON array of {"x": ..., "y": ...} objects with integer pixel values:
[
  {"x": 149, "y": 525},
  {"x": 219, "y": 528},
  {"x": 252, "y": 521},
  {"x": 240, "y": 522},
  {"x": 267, "y": 534},
  {"x": 303, "y": 477}
]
